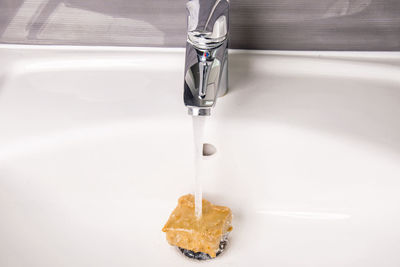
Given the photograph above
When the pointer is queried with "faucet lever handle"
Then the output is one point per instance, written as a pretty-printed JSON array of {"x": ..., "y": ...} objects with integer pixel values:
[{"x": 204, "y": 71}]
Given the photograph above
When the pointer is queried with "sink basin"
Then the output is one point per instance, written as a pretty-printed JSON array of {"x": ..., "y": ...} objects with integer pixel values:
[{"x": 96, "y": 147}]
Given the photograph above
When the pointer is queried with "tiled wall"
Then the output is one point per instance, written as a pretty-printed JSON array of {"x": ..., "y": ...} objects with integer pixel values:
[{"x": 255, "y": 24}]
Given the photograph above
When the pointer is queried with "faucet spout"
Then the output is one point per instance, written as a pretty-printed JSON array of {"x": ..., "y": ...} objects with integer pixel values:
[{"x": 206, "y": 75}]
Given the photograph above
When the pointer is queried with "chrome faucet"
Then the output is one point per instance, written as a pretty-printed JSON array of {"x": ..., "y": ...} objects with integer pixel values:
[{"x": 206, "y": 65}]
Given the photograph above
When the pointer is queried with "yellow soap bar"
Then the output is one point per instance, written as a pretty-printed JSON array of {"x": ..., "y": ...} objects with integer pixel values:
[{"x": 185, "y": 230}]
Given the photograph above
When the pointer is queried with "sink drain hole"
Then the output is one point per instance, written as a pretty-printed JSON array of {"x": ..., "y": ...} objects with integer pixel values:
[
  {"x": 208, "y": 150},
  {"x": 204, "y": 256}
]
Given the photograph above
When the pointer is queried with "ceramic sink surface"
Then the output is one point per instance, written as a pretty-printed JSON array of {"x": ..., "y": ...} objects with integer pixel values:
[{"x": 96, "y": 147}]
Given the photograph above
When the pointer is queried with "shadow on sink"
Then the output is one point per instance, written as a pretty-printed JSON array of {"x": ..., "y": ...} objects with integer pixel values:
[{"x": 2, "y": 82}]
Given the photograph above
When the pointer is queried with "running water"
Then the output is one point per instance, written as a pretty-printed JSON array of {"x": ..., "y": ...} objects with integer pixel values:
[{"x": 198, "y": 137}]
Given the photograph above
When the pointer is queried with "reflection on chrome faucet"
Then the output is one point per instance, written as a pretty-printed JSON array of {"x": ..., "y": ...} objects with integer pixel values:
[{"x": 206, "y": 66}]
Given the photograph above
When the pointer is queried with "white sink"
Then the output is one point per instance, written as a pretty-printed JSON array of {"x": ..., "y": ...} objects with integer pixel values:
[{"x": 96, "y": 148}]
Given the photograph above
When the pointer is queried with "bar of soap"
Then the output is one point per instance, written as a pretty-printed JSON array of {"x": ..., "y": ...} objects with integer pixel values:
[{"x": 184, "y": 230}]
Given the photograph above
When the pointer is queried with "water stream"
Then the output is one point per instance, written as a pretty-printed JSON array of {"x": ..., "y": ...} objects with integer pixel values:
[{"x": 198, "y": 137}]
